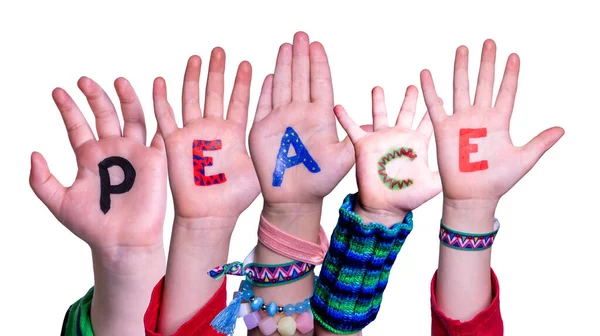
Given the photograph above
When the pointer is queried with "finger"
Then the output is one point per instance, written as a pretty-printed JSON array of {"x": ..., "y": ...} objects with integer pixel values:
[
  {"x": 534, "y": 149},
  {"x": 162, "y": 109},
  {"x": 485, "y": 82},
  {"x": 237, "y": 110},
  {"x": 78, "y": 129},
  {"x": 380, "y": 120},
  {"x": 352, "y": 129},
  {"x": 345, "y": 156},
  {"x": 45, "y": 185},
  {"x": 432, "y": 101},
  {"x": 282, "y": 79},
  {"x": 157, "y": 141},
  {"x": 264, "y": 100},
  {"x": 408, "y": 109},
  {"x": 190, "y": 98},
  {"x": 215, "y": 85},
  {"x": 134, "y": 123},
  {"x": 425, "y": 126},
  {"x": 462, "y": 98},
  {"x": 107, "y": 121},
  {"x": 508, "y": 89},
  {"x": 321, "y": 88},
  {"x": 300, "y": 68},
  {"x": 365, "y": 128}
]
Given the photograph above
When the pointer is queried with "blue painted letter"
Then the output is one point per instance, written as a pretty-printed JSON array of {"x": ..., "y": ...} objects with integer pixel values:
[{"x": 291, "y": 138}]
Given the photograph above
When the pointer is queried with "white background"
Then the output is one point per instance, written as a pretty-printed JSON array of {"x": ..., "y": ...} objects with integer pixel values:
[{"x": 545, "y": 255}]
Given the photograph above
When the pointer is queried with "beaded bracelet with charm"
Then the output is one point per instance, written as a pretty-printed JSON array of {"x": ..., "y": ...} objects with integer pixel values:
[{"x": 248, "y": 306}]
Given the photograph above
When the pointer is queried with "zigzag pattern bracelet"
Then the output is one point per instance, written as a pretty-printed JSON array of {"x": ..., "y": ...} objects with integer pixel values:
[
  {"x": 468, "y": 241},
  {"x": 264, "y": 275}
]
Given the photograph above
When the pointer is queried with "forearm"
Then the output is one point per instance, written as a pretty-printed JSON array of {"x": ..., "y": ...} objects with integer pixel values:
[
  {"x": 301, "y": 221},
  {"x": 368, "y": 216},
  {"x": 196, "y": 247},
  {"x": 356, "y": 269},
  {"x": 123, "y": 283},
  {"x": 464, "y": 285}
]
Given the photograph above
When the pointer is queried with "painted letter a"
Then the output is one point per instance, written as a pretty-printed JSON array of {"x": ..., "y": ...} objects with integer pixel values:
[{"x": 284, "y": 161}]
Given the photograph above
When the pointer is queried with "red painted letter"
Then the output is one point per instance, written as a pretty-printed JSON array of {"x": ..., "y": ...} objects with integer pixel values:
[
  {"x": 200, "y": 161},
  {"x": 465, "y": 149}
]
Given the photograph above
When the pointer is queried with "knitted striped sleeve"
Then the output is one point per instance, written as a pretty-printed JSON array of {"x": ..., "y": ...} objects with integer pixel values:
[
  {"x": 77, "y": 321},
  {"x": 355, "y": 272}
]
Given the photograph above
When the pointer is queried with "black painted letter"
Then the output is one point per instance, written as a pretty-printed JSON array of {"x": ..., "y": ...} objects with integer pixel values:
[{"x": 106, "y": 188}]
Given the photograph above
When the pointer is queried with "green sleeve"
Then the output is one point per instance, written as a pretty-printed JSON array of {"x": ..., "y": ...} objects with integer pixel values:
[{"x": 78, "y": 321}]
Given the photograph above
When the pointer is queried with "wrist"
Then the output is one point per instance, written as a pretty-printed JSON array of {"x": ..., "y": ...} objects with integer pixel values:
[
  {"x": 371, "y": 215},
  {"x": 472, "y": 216},
  {"x": 127, "y": 261},
  {"x": 192, "y": 238},
  {"x": 123, "y": 281},
  {"x": 302, "y": 220},
  {"x": 204, "y": 230}
]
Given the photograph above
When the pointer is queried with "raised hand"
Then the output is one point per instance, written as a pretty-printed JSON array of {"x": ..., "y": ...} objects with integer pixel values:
[
  {"x": 478, "y": 164},
  {"x": 210, "y": 172},
  {"x": 212, "y": 179},
  {"x": 117, "y": 203},
  {"x": 135, "y": 218},
  {"x": 391, "y": 162},
  {"x": 293, "y": 142},
  {"x": 476, "y": 157}
]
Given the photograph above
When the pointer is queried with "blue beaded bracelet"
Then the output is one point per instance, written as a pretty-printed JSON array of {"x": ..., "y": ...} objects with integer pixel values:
[
  {"x": 245, "y": 302},
  {"x": 257, "y": 303}
]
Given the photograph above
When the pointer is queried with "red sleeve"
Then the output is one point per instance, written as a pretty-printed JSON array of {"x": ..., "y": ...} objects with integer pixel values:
[
  {"x": 199, "y": 325},
  {"x": 486, "y": 323}
]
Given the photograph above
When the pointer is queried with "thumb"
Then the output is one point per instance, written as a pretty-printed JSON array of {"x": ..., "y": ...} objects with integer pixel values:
[
  {"x": 158, "y": 141},
  {"x": 534, "y": 149},
  {"x": 345, "y": 152},
  {"x": 45, "y": 185}
]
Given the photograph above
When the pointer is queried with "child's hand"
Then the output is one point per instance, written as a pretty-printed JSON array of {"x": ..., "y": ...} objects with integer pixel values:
[
  {"x": 478, "y": 164},
  {"x": 391, "y": 162},
  {"x": 294, "y": 144},
  {"x": 135, "y": 217},
  {"x": 212, "y": 179},
  {"x": 228, "y": 185},
  {"x": 116, "y": 204},
  {"x": 477, "y": 160}
]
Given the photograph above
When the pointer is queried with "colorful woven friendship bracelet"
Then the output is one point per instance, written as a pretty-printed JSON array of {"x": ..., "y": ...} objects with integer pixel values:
[
  {"x": 355, "y": 272},
  {"x": 247, "y": 306},
  {"x": 265, "y": 275},
  {"x": 468, "y": 241}
]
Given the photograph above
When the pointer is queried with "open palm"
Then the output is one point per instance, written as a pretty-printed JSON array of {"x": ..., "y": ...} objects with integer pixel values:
[
  {"x": 476, "y": 156},
  {"x": 296, "y": 103},
  {"x": 228, "y": 185},
  {"x": 135, "y": 218},
  {"x": 391, "y": 162}
]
